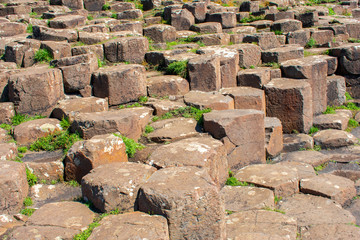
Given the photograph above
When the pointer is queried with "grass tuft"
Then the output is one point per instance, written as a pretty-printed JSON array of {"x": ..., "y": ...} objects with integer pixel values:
[
  {"x": 43, "y": 55},
  {"x": 31, "y": 178},
  {"x": 177, "y": 68},
  {"x": 131, "y": 145},
  {"x": 27, "y": 202}
]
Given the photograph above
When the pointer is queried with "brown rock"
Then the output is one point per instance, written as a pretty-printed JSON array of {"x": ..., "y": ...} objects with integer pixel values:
[
  {"x": 249, "y": 54},
  {"x": 189, "y": 200},
  {"x": 160, "y": 33},
  {"x": 282, "y": 54},
  {"x": 203, "y": 152},
  {"x": 74, "y": 215},
  {"x": 93, "y": 5},
  {"x": 130, "y": 14},
  {"x": 208, "y": 27},
  {"x": 28, "y": 132},
  {"x": 86, "y": 155},
  {"x": 227, "y": 19},
  {"x": 283, "y": 180},
  {"x": 336, "y": 88},
  {"x": 331, "y": 121},
  {"x": 174, "y": 129},
  {"x": 260, "y": 224},
  {"x": 163, "y": 106},
  {"x": 266, "y": 40},
  {"x": 332, "y": 138},
  {"x": 238, "y": 199},
  {"x": 8, "y": 151},
  {"x": 67, "y": 21},
  {"x": 9, "y": 29},
  {"x": 304, "y": 170},
  {"x": 46, "y": 166},
  {"x": 313, "y": 210},
  {"x": 300, "y": 37},
  {"x": 132, "y": 225},
  {"x": 246, "y": 97},
  {"x": 167, "y": 85},
  {"x": 69, "y": 108},
  {"x": 115, "y": 185},
  {"x": 330, "y": 232},
  {"x": 291, "y": 102},
  {"x": 42, "y": 232},
  {"x": 286, "y": 25},
  {"x": 182, "y": 19},
  {"x": 313, "y": 158},
  {"x": 7, "y": 112},
  {"x": 198, "y": 9},
  {"x": 57, "y": 49},
  {"x": 273, "y": 136},
  {"x": 130, "y": 122},
  {"x": 13, "y": 186},
  {"x": 255, "y": 78},
  {"x": 340, "y": 189},
  {"x": 36, "y": 90},
  {"x": 239, "y": 125},
  {"x": 212, "y": 100},
  {"x": 296, "y": 142},
  {"x": 50, "y": 34}
]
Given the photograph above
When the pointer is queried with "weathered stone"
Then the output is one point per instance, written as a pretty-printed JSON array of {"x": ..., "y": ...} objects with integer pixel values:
[
  {"x": 115, "y": 185},
  {"x": 249, "y": 54},
  {"x": 282, "y": 54},
  {"x": 182, "y": 19},
  {"x": 246, "y": 97},
  {"x": 167, "y": 85},
  {"x": 13, "y": 186},
  {"x": 120, "y": 84},
  {"x": 129, "y": 122},
  {"x": 160, "y": 33},
  {"x": 238, "y": 125},
  {"x": 69, "y": 108},
  {"x": 340, "y": 189},
  {"x": 204, "y": 73},
  {"x": 273, "y": 136},
  {"x": 313, "y": 158},
  {"x": 7, "y": 112},
  {"x": 9, "y": 29},
  {"x": 308, "y": 18},
  {"x": 132, "y": 225},
  {"x": 314, "y": 70},
  {"x": 150, "y": 4},
  {"x": 280, "y": 15},
  {"x": 50, "y": 34},
  {"x": 74, "y": 215},
  {"x": 238, "y": 198},
  {"x": 286, "y": 25},
  {"x": 163, "y": 106},
  {"x": 331, "y": 121},
  {"x": 227, "y": 19},
  {"x": 198, "y": 9},
  {"x": 42, "y": 232},
  {"x": 291, "y": 102},
  {"x": 266, "y": 40},
  {"x": 170, "y": 130},
  {"x": 255, "y": 78},
  {"x": 46, "y": 166},
  {"x": 332, "y": 138},
  {"x": 36, "y": 90},
  {"x": 130, "y": 14},
  {"x": 249, "y": 6},
  {"x": 86, "y": 155},
  {"x": 304, "y": 170},
  {"x": 354, "y": 209},
  {"x": 330, "y": 232},
  {"x": 212, "y": 100},
  {"x": 8, "y": 151},
  {"x": 284, "y": 181},
  {"x": 42, "y": 194},
  {"x": 300, "y": 37},
  {"x": 260, "y": 224},
  {"x": 93, "y": 5},
  {"x": 179, "y": 194},
  {"x": 67, "y": 21},
  {"x": 203, "y": 152},
  {"x": 28, "y": 132},
  {"x": 57, "y": 49},
  {"x": 208, "y": 27},
  {"x": 313, "y": 210},
  {"x": 336, "y": 88}
]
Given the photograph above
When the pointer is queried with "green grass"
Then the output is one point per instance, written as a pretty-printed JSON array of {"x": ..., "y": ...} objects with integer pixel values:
[
  {"x": 22, "y": 149},
  {"x": 130, "y": 105},
  {"x": 186, "y": 112},
  {"x": 86, "y": 233},
  {"x": 278, "y": 32},
  {"x": 58, "y": 140},
  {"x": 311, "y": 43},
  {"x": 329, "y": 110},
  {"x": 277, "y": 199},
  {"x": 65, "y": 123},
  {"x": 320, "y": 167},
  {"x": 43, "y": 55},
  {"x": 29, "y": 28},
  {"x": 353, "y": 123},
  {"x": 7, "y": 127},
  {"x": 149, "y": 129},
  {"x": 27, "y": 211},
  {"x": 229, "y": 212},
  {"x": 313, "y": 130},
  {"x": 21, "y": 118},
  {"x": 273, "y": 65},
  {"x": 232, "y": 181},
  {"x": 274, "y": 210},
  {"x": 27, "y": 202},
  {"x": 90, "y": 17},
  {"x": 131, "y": 145},
  {"x": 33, "y": 14},
  {"x": 31, "y": 178},
  {"x": 143, "y": 99},
  {"x": 106, "y": 7},
  {"x": 72, "y": 183},
  {"x": 177, "y": 68},
  {"x": 331, "y": 11},
  {"x": 252, "y": 18},
  {"x": 101, "y": 63},
  {"x": 348, "y": 96}
]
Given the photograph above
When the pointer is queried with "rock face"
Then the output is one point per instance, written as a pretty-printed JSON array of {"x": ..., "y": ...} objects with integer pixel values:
[
  {"x": 332, "y": 138},
  {"x": 13, "y": 186},
  {"x": 132, "y": 225},
  {"x": 284, "y": 181},
  {"x": 86, "y": 155},
  {"x": 239, "y": 126},
  {"x": 115, "y": 185},
  {"x": 36, "y": 91},
  {"x": 203, "y": 152},
  {"x": 179, "y": 194}
]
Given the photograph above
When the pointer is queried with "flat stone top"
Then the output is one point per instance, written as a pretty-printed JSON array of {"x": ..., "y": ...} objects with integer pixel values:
[
  {"x": 286, "y": 48},
  {"x": 287, "y": 83},
  {"x": 272, "y": 122},
  {"x": 188, "y": 152},
  {"x": 231, "y": 114},
  {"x": 198, "y": 97},
  {"x": 267, "y": 174},
  {"x": 242, "y": 91},
  {"x": 119, "y": 68},
  {"x": 159, "y": 26},
  {"x": 165, "y": 78},
  {"x": 34, "y": 71},
  {"x": 306, "y": 61},
  {"x": 313, "y": 158},
  {"x": 140, "y": 112}
]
